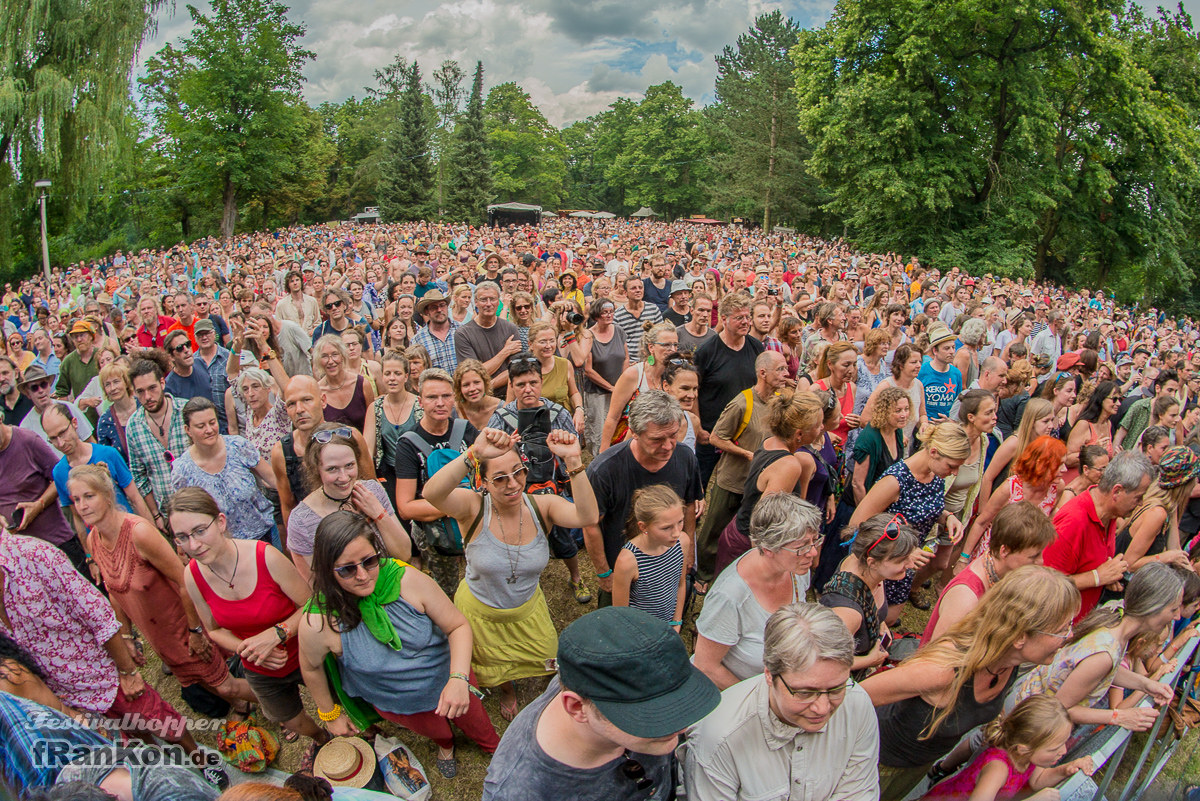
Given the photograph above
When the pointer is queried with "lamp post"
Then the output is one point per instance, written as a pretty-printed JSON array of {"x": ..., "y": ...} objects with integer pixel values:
[{"x": 44, "y": 185}]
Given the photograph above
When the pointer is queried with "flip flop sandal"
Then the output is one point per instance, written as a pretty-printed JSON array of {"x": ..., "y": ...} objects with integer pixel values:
[{"x": 310, "y": 756}]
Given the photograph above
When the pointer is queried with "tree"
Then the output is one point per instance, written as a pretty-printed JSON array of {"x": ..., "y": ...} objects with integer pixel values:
[
  {"x": 64, "y": 89},
  {"x": 527, "y": 153},
  {"x": 229, "y": 99},
  {"x": 448, "y": 95},
  {"x": 664, "y": 152},
  {"x": 470, "y": 180},
  {"x": 759, "y": 171},
  {"x": 406, "y": 175}
]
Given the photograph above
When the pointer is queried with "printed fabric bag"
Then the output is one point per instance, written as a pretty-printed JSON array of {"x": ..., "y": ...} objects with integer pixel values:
[{"x": 247, "y": 746}]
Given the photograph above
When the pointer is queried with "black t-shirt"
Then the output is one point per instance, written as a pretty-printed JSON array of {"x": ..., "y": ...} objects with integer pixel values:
[
  {"x": 723, "y": 373},
  {"x": 614, "y": 476},
  {"x": 676, "y": 317},
  {"x": 410, "y": 462}
]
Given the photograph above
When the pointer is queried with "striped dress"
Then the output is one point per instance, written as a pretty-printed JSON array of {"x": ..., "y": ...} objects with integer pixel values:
[{"x": 656, "y": 589}]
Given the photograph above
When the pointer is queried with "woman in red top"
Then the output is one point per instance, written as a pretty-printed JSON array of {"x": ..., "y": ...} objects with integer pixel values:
[
  {"x": 251, "y": 609},
  {"x": 837, "y": 366}
]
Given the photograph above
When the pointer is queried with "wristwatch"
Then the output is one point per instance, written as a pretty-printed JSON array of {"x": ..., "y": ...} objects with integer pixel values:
[{"x": 282, "y": 633}]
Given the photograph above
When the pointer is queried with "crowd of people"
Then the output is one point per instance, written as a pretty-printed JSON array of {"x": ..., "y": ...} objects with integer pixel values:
[{"x": 402, "y": 426}]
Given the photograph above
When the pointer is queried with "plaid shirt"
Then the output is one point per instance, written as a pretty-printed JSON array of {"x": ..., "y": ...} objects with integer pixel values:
[
  {"x": 151, "y": 469},
  {"x": 441, "y": 353}
]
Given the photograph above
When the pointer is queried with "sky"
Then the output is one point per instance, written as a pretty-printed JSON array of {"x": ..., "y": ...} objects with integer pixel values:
[{"x": 573, "y": 57}]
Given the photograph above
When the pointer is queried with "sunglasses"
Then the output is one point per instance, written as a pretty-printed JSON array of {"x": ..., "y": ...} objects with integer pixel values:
[
  {"x": 181, "y": 347},
  {"x": 129, "y": 339},
  {"x": 523, "y": 307},
  {"x": 517, "y": 477},
  {"x": 39, "y": 386},
  {"x": 326, "y": 436},
  {"x": 520, "y": 361},
  {"x": 332, "y": 306},
  {"x": 636, "y": 772},
  {"x": 350, "y": 571},
  {"x": 890, "y": 532}
]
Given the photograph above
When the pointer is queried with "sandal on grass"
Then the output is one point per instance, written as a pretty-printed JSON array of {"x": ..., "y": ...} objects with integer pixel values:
[
  {"x": 448, "y": 767},
  {"x": 508, "y": 711},
  {"x": 310, "y": 756}
]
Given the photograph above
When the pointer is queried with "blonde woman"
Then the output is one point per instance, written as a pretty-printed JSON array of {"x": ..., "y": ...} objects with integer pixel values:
[
  {"x": 1152, "y": 532},
  {"x": 347, "y": 394},
  {"x": 660, "y": 342},
  {"x": 461, "y": 308},
  {"x": 558, "y": 379}
]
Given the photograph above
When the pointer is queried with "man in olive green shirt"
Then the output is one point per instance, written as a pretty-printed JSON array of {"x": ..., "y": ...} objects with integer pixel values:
[{"x": 79, "y": 367}]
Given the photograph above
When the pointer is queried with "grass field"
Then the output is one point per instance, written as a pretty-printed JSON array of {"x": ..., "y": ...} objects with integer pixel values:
[{"x": 1181, "y": 771}]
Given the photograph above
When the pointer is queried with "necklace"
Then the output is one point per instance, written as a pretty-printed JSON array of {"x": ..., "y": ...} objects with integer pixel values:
[
  {"x": 995, "y": 677},
  {"x": 237, "y": 555},
  {"x": 513, "y": 561},
  {"x": 339, "y": 502},
  {"x": 162, "y": 427}
]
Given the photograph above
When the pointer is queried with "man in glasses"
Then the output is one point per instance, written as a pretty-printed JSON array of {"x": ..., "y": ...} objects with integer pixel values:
[
  {"x": 188, "y": 378},
  {"x": 608, "y": 724},
  {"x": 802, "y": 719}
]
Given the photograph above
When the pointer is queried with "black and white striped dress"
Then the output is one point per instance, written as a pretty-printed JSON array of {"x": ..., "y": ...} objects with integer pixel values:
[{"x": 656, "y": 589}]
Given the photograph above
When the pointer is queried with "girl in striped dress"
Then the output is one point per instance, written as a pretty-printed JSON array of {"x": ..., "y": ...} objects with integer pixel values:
[{"x": 650, "y": 569}]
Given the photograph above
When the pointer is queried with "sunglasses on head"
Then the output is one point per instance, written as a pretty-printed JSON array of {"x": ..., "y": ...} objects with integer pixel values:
[
  {"x": 350, "y": 571},
  {"x": 890, "y": 532},
  {"x": 325, "y": 436},
  {"x": 522, "y": 361}
]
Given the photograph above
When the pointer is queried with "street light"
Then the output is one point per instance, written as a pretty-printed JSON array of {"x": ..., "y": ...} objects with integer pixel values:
[{"x": 44, "y": 185}]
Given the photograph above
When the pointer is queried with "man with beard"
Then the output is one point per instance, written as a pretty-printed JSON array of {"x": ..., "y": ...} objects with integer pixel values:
[
  {"x": 726, "y": 366},
  {"x": 437, "y": 335},
  {"x": 658, "y": 290},
  {"x": 16, "y": 405},
  {"x": 155, "y": 434},
  {"x": 36, "y": 386}
]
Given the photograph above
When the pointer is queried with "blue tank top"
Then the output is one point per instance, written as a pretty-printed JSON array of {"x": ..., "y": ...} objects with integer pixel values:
[{"x": 403, "y": 682}]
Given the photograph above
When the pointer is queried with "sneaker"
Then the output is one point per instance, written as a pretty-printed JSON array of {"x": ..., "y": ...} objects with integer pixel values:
[
  {"x": 216, "y": 776},
  {"x": 582, "y": 595}
]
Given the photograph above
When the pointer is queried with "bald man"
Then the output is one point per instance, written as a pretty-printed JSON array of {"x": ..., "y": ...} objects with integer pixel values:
[{"x": 305, "y": 404}]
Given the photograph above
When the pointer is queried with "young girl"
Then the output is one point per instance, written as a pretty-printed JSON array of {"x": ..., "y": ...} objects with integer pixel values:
[
  {"x": 1023, "y": 747},
  {"x": 650, "y": 569}
]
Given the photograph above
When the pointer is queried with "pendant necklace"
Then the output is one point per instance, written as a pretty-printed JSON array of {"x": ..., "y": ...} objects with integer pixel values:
[
  {"x": 340, "y": 502},
  {"x": 237, "y": 555},
  {"x": 995, "y": 677},
  {"x": 508, "y": 550}
]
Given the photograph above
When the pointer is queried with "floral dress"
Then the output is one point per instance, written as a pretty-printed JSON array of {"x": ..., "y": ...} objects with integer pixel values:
[
  {"x": 235, "y": 488},
  {"x": 921, "y": 505}
]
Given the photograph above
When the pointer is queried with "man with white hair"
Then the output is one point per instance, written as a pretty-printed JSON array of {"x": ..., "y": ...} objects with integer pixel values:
[{"x": 801, "y": 721}]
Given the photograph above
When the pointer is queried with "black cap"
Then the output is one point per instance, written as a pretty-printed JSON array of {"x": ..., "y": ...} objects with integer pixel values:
[{"x": 635, "y": 669}]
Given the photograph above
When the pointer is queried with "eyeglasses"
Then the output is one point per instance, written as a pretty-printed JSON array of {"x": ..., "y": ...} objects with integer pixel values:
[
  {"x": 890, "y": 532},
  {"x": 681, "y": 362},
  {"x": 350, "y": 571},
  {"x": 1064, "y": 636},
  {"x": 326, "y": 436},
  {"x": 181, "y": 347},
  {"x": 331, "y": 306},
  {"x": 188, "y": 536},
  {"x": 516, "y": 477},
  {"x": 810, "y": 696},
  {"x": 636, "y": 772},
  {"x": 800, "y": 550}
]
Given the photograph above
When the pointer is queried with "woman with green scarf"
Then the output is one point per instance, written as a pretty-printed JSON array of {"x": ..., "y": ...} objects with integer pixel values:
[{"x": 380, "y": 639}]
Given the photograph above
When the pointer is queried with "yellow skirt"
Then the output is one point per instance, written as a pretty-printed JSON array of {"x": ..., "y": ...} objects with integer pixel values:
[{"x": 509, "y": 643}]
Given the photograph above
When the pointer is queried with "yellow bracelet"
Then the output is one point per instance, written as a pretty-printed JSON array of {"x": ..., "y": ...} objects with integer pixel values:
[{"x": 331, "y": 715}]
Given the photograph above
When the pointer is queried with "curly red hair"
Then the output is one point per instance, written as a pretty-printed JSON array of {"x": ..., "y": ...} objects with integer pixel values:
[{"x": 1040, "y": 463}]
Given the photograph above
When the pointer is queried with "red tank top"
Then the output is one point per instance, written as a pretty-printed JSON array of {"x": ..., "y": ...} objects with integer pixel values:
[
  {"x": 967, "y": 579},
  {"x": 262, "y": 609}
]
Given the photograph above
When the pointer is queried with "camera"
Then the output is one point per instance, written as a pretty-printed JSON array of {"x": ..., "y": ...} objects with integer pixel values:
[
  {"x": 574, "y": 318},
  {"x": 772, "y": 290}
]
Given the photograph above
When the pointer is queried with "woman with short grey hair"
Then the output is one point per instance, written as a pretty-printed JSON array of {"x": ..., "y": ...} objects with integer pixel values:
[
  {"x": 260, "y": 414},
  {"x": 736, "y": 753},
  {"x": 785, "y": 532}
]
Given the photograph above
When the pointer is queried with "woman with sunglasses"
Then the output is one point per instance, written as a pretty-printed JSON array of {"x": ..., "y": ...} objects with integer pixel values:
[
  {"x": 930, "y": 701},
  {"x": 916, "y": 488},
  {"x": 331, "y": 468},
  {"x": 879, "y": 550},
  {"x": 144, "y": 580},
  {"x": 347, "y": 394},
  {"x": 505, "y": 535},
  {"x": 660, "y": 341},
  {"x": 251, "y": 609},
  {"x": 400, "y": 649},
  {"x": 522, "y": 314},
  {"x": 1089, "y": 662}
]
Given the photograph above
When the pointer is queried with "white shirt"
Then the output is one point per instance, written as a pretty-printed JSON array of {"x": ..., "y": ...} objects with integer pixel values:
[
  {"x": 743, "y": 752},
  {"x": 1047, "y": 342},
  {"x": 33, "y": 422}
]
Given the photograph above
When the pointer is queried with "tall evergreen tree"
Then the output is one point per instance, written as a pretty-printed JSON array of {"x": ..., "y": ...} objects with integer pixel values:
[
  {"x": 406, "y": 179},
  {"x": 469, "y": 187}
]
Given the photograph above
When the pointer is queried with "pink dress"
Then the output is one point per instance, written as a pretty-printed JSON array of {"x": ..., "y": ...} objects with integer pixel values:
[
  {"x": 962, "y": 784},
  {"x": 1016, "y": 492}
]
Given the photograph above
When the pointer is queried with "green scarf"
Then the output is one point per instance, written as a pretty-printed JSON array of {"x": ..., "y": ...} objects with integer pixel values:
[{"x": 373, "y": 607}]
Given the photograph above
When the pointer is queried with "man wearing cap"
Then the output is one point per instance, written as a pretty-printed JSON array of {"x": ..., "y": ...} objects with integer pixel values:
[
  {"x": 801, "y": 721},
  {"x": 79, "y": 366},
  {"x": 215, "y": 359},
  {"x": 678, "y": 310},
  {"x": 607, "y": 726},
  {"x": 942, "y": 380},
  {"x": 437, "y": 335}
]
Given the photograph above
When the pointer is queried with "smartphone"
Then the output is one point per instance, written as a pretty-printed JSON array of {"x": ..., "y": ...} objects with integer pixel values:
[
  {"x": 16, "y": 519},
  {"x": 885, "y": 641}
]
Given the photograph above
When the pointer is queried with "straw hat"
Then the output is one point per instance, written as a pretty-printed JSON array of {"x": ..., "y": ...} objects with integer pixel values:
[{"x": 345, "y": 762}]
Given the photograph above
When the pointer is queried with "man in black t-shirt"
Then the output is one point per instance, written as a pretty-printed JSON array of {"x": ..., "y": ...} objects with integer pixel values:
[
  {"x": 436, "y": 430},
  {"x": 649, "y": 457},
  {"x": 679, "y": 309}
]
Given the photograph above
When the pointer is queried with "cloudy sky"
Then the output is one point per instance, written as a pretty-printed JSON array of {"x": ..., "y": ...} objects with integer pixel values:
[{"x": 574, "y": 57}]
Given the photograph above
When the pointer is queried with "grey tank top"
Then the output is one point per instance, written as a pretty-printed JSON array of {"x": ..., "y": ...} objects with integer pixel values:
[
  {"x": 491, "y": 564},
  {"x": 607, "y": 359},
  {"x": 404, "y": 682}
]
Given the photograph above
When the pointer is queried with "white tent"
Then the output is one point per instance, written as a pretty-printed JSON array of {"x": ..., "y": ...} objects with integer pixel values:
[{"x": 645, "y": 211}]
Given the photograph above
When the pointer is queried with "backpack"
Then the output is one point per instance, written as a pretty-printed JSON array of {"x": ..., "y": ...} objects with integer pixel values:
[
  {"x": 442, "y": 534},
  {"x": 547, "y": 476},
  {"x": 741, "y": 429}
]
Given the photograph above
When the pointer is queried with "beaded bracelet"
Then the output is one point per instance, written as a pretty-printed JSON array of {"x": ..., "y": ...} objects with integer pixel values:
[{"x": 331, "y": 715}]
